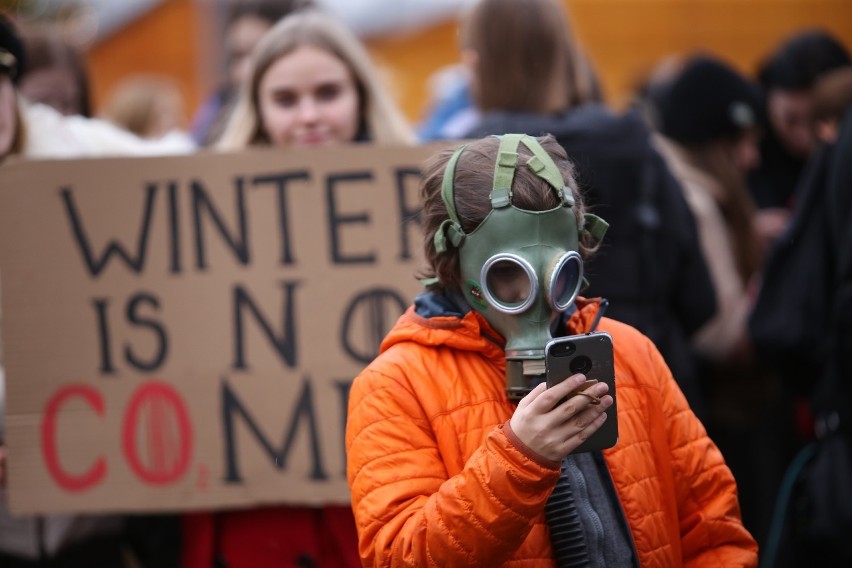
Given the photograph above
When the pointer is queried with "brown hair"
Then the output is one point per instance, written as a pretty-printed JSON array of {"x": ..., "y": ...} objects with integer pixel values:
[
  {"x": 46, "y": 49},
  {"x": 474, "y": 177},
  {"x": 267, "y": 10},
  {"x": 527, "y": 59},
  {"x": 832, "y": 94},
  {"x": 20, "y": 138},
  {"x": 136, "y": 104}
]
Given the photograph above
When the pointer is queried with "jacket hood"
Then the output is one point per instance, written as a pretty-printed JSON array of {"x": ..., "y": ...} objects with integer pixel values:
[{"x": 436, "y": 322}]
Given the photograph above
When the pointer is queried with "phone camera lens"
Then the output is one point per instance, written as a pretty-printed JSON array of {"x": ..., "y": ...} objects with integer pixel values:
[
  {"x": 581, "y": 364},
  {"x": 564, "y": 349}
]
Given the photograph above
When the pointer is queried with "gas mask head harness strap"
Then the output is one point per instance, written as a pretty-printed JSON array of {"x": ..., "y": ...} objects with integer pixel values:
[{"x": 501, "y": 192}]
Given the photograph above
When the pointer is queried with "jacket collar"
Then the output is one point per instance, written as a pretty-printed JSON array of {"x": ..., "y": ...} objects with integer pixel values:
[{"x": 444, "y": 320}]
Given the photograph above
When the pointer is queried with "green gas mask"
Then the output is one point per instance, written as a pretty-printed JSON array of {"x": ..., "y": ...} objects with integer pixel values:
[{"x": 520, "y": 269}]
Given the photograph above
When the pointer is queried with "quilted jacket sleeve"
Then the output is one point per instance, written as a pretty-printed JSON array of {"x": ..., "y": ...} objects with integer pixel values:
[
  {"x": 711, "y": 529},
  {"x": 409, "y": 511}
]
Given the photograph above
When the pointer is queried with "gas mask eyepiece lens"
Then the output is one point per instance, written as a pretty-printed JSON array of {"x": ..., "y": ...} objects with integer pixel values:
[
  {"x": 511, "y": 285},
  {"x": 565, "y": 280}
]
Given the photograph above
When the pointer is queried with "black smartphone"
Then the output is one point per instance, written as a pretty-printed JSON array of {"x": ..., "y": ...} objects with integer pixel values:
[{"x": 589, "y": 354}]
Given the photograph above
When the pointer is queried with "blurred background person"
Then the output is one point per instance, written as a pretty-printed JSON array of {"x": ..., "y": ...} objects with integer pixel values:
[
  {"x": 149, "y": 106},
  {"x": 529, "y": 77},
  {"x": 787, "y": 77},
  {"x": 310, "y": 83},
  {"x": 30, "y": 130},
  {"x": 830, "y": 501},
  {"x": 11, "y": 66},
  {"x": 246, "y": 22},
  {"x": 813, "y": 515},
  {"x": 832, "y": 98},
  {"x": 789, "y": 323},
  {"x": 708, "y": 121},
  {"x": 797, "y": 327},
  {"x": 707, "y": 115},
  {"x": 56, "y": 73},
  {"x": 451, "y": 112},
  {"x": 36, "y": 130}
]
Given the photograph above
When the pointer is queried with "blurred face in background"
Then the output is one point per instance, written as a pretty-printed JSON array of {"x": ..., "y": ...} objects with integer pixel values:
[
  {"x": 240, "y": 38},
  {"x": 56, "y": 87},
  {"x": 308, "y": 97},
  {"x": 168, "y": 114},
  {"x": 747, "y": 151},
  {"x": 8, "y": 115},
  {"x": 790, "y": 115}
]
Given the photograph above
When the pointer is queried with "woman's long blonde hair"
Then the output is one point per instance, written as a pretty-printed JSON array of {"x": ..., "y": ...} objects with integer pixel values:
[{"x": 381, "y": 120}]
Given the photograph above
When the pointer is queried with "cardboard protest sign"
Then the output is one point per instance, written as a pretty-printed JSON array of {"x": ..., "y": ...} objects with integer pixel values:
[{"x": 182, "y": 332}]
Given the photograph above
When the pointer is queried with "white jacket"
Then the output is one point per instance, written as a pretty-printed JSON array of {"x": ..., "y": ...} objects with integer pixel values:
[{"x": 49, "y": 134}]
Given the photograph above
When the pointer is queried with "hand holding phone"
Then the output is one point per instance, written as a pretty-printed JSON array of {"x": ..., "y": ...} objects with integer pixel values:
[
  {"x": 583, "y": 390},
  {"x": 554, "y": 428}
]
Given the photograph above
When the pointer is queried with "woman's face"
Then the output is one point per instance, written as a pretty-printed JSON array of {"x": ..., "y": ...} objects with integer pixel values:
[
  {"x": 8, "y": 115},
  {"x": 240, "y": 38},
  {"x": 790, "y": 115},
  {"x": 747, "y": 151},
  {"x": 308, "y": 98},
  {"x": 56, "y": 87}
]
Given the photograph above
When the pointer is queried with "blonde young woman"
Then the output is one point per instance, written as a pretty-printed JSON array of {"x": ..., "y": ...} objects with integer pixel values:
[{"x": 311, "y": 83}]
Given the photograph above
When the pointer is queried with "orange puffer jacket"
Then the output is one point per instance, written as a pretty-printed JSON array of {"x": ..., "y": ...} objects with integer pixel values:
[{"x": 438, "y": 479}]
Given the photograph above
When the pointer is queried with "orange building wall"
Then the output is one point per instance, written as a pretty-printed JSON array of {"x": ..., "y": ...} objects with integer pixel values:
[
  {"x": 624, "y": 38},
  {"x": 627, "y": 37},
  {"x": 165, "y": 41}
]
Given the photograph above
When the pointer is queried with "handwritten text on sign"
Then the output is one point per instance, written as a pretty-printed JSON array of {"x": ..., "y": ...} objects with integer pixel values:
[{"x": 182, "y": 332}]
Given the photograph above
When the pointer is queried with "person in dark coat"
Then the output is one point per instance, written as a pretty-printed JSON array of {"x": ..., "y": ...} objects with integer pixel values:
[
  {"x": 789, "y": 324},
  {"x": 836, "y": 394},
  {"x": 787, "y": 78},
  {"x": 827, "y": 490},
  {"x": 813, "y": 516},
  {"x": 651, "y": 269}
]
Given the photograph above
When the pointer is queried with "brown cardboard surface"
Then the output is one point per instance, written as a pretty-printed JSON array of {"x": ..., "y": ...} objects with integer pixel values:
[{"x": 206, "y": 362}]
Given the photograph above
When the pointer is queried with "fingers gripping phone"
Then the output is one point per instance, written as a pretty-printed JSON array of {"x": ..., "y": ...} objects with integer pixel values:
[{"x": 590, "y": 354}]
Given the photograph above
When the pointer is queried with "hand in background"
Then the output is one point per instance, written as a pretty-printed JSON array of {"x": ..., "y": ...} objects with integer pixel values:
[{"x": 769, "y": 225}]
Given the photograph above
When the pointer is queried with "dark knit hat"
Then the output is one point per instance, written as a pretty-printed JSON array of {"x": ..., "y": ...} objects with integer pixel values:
[
  {"x": 801, "y": 60},
  {"x": 11, "y": 49},
  {"x": 705, "y": 101}
]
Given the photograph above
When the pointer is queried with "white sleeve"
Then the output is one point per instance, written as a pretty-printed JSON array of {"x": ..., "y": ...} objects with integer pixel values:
[{"x": 52, "y": 135}]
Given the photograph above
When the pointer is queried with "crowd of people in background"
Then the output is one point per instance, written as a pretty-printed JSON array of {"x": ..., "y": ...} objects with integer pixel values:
[{"x": 729, "y": 198}]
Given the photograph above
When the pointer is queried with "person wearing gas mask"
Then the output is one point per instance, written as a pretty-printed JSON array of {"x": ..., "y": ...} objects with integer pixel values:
[{"x": 458, "y": 454}]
